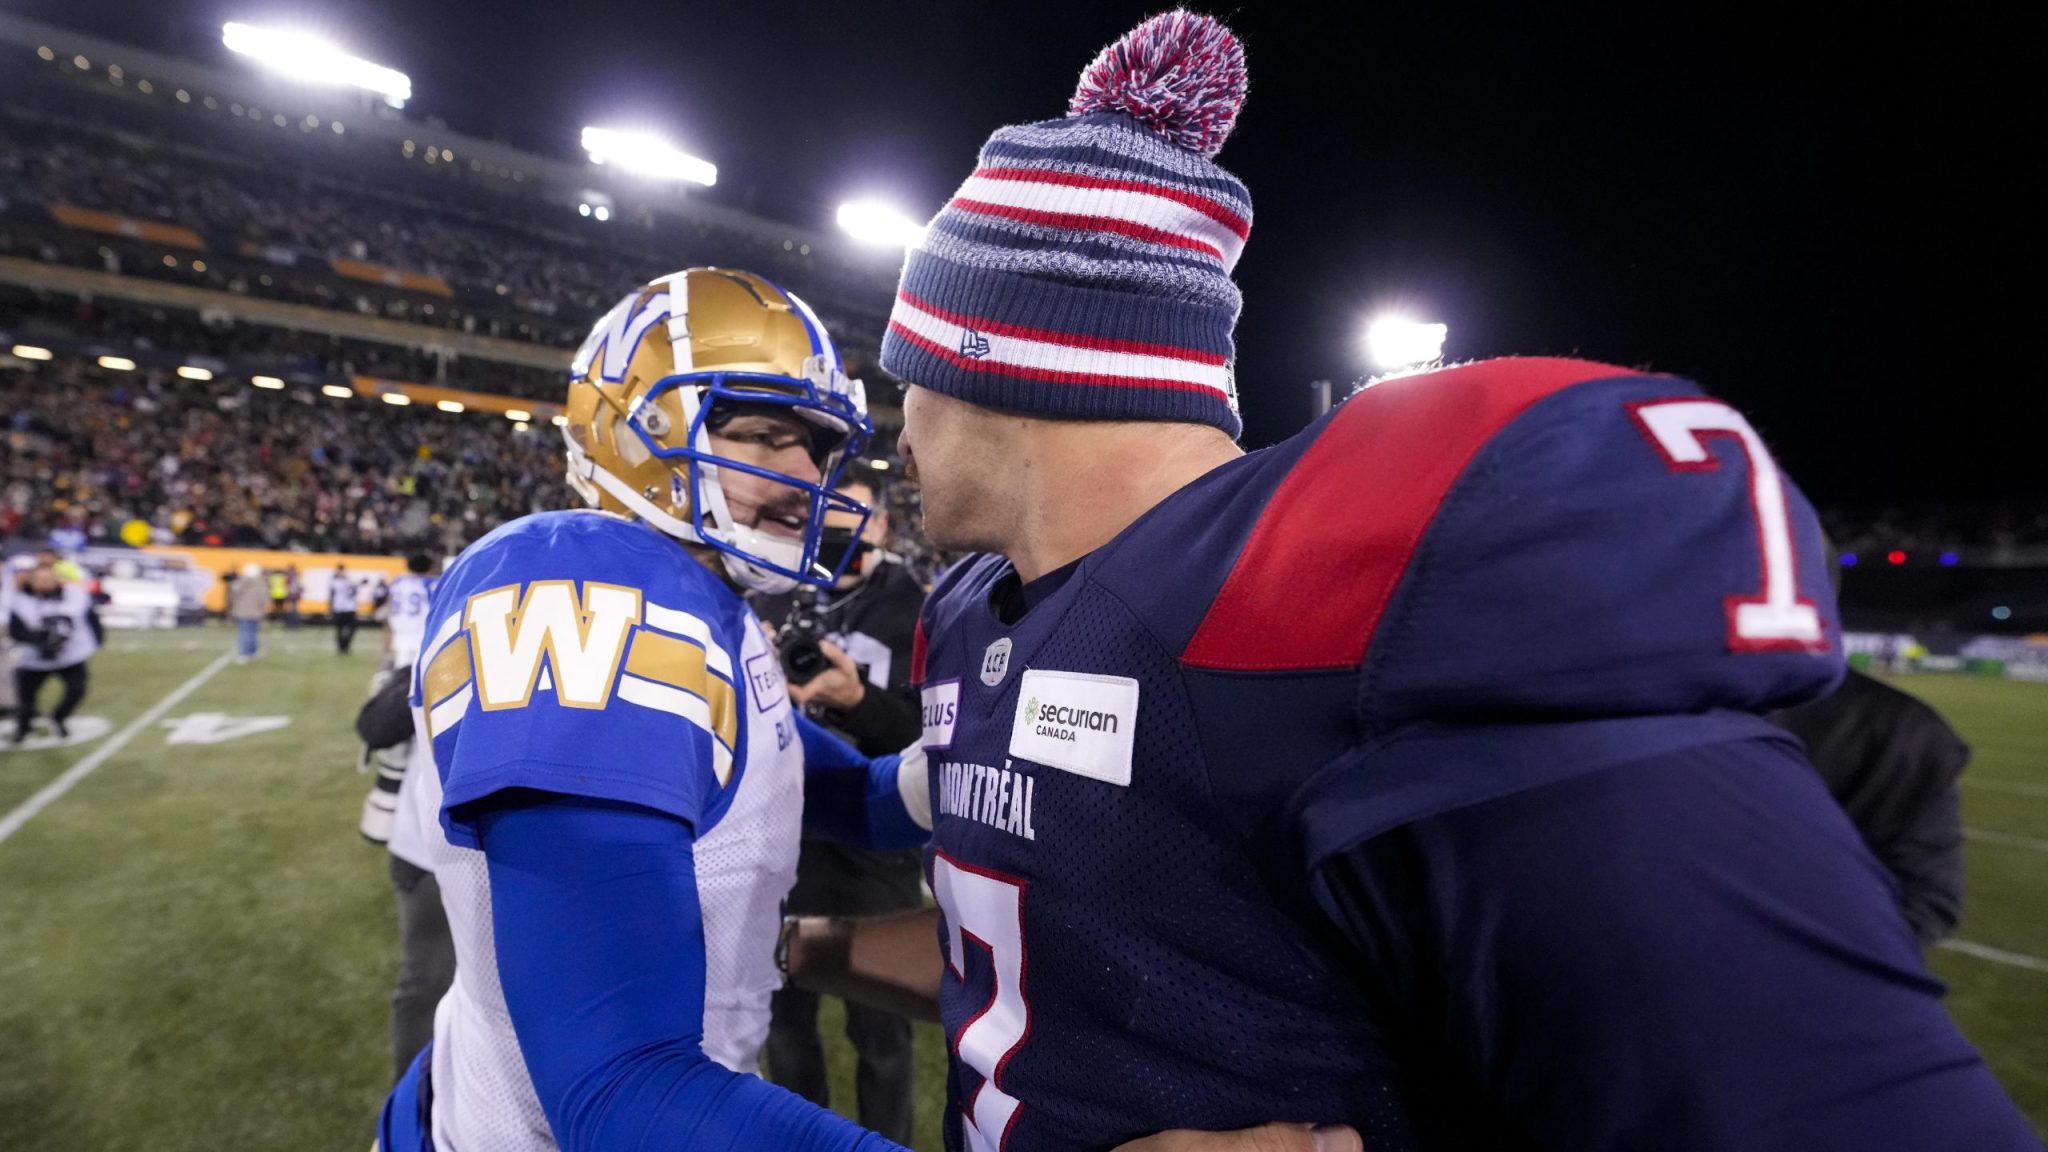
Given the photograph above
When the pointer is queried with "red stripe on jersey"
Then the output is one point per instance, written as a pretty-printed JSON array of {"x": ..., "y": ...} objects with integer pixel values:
[
  {"x": 917, "y": 654},
  {"x": 1026, "y": 372},
  {"x": 1082, "y": 223},
  {"x": 1207, "y": 207},
  {"x": 1324, "y": 558},
  {"x": 1065, "y": 339}
]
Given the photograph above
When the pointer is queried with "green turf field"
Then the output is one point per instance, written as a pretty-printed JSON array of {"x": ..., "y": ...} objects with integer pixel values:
[{"x": 196, "y": 948}]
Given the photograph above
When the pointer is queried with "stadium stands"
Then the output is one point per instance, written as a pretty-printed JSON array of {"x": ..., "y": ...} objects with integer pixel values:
[{"x": 218, "y": 462}]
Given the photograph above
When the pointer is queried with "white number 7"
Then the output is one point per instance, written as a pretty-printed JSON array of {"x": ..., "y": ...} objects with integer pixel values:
[
  {"x": 987, "y": 909},
  {"x": 1778, "y": 618}
]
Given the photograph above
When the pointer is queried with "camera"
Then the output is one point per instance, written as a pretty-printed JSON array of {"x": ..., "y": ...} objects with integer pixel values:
[
  {"x": 53, "y": 636},
  {"x": 797, "y": 642}
]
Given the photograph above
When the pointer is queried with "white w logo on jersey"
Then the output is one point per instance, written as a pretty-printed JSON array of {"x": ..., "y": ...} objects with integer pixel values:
[{"x": 583, "y": 640}]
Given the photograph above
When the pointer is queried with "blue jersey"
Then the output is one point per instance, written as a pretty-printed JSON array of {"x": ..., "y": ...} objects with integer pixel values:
[
  {"x": 618, "y": 775},
  {"x": 1234, "y": 815}
]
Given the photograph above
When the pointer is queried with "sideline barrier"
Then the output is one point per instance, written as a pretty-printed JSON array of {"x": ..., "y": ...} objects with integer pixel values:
[
  {"x": 1999, "y": 657},
  {"x": 315, "y": 568}
]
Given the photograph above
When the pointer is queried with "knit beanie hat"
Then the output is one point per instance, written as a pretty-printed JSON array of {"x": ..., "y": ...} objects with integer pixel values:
[{"x": 1083, "y": 270}]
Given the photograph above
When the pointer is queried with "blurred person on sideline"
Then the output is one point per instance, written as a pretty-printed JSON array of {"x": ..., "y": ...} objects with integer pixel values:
[
  {"x": 426, "y": 948},
  {"x": 392, "y": 818},
  {"x": 249, "y": 597},
  {"x": 10, "y": 577},
  {"x": 280, "y": 596},
  {"x": 294, "y": 588},
  {"x": 58, "y": 629},
  {"x": 404, "y": 604},
  {"x": 857, "y": 638},
  {"x": 341, "y": 606}
]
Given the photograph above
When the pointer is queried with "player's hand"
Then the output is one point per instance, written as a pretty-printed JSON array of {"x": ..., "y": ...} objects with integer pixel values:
[
  {"x": 839, "y": 686},
  {"x": 1265, "y": 1138}
]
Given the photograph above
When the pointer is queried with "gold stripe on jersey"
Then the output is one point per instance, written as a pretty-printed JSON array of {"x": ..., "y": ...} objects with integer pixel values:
[
  {"x": 680, "y": 664},
  {"x": 447, "y": 672}
]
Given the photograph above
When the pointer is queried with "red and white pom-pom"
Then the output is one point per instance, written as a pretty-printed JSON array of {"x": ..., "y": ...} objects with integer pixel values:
[{"x": 1180, "y": 74}]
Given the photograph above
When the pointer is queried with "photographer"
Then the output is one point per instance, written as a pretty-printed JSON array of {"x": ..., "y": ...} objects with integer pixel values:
[
  {"x": 392, "y": 817},
  {"x": 55, "y": 622},
  {"x": 846, "y": 653}
]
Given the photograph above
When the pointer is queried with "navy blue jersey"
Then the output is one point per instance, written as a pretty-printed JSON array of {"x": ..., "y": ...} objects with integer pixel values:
[{"x": 1167, "y": 781}]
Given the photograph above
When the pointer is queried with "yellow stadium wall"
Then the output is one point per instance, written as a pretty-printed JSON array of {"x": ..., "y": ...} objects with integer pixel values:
[{"x": 314, "y": 569}]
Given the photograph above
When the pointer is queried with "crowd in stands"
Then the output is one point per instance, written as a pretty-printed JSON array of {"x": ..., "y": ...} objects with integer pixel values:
[
  {"x": 274, "y": 226},
  {"x": 139, "y": 330},
  {"x": 271, "y": 228},
  {"x": 221, "y": 463},
  {"x": 225, "y": 464}
]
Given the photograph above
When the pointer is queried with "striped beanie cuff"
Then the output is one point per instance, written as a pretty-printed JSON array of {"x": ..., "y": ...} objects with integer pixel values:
[{"x": 1083, "y": 270}]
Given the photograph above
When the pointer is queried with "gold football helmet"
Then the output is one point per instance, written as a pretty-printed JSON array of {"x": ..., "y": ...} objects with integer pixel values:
[{"x": 670, "y": 364}]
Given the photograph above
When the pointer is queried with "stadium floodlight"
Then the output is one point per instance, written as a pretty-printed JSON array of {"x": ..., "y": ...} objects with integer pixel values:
[
  {"x": 518, "y": 414},
  {"x": 647, "y": 155},
  {"x": 31, "y": 352},
  {"x": 876, "y": 223},
  {"x": 879, "y": 465},
  {"x": 303, "y": 56},
  {"x": 449, "y": 405},
  {"x": 338, "y": 391},
  {"x": 398, "y": 398},
  {"x": 270, "y": 382},
  {"x": 117, "y": 363},
  {"x": 194, "y": 372},
  {"x": 1397, "y": 342}
]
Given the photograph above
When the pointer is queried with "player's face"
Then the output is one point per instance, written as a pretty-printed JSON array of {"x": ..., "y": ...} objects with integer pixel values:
[
  {"x": 779, "y": 443},
  {"x": 959, "y": 454},
  {"x": 877, "y": 525}
]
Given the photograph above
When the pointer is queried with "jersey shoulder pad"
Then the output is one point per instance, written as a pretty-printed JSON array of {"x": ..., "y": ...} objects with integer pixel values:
[
  {"x": 566, "y": 646},
  {"x": 1532, "y": 536},
  {"x": 1344, "y": 506}
]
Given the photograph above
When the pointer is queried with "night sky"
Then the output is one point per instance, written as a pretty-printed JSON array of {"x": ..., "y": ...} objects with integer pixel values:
[{"x": 1822, "y": 221}]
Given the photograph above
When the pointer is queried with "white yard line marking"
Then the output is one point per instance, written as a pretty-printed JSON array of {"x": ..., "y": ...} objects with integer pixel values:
[
  {"x": 2005, "y": 839},
  {"x": 1996, "y": 955},
  {"x": 50, "y": 793},
  {"x": 2015, "y": 789}
]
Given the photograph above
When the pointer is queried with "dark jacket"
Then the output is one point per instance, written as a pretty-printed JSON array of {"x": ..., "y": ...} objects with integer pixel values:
[
  {"x": 386, "y": 717},
  {"x": 1893, "y": 764}
]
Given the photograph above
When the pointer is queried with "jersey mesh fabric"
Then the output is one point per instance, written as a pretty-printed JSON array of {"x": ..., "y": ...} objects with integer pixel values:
[
  {"x": 1169, "y": 990},
  {"x": 746, "y": 865},
  {"x": 483, "y": 1099}
]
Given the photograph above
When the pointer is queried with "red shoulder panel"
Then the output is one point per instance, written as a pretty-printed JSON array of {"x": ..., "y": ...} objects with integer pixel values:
[
  {"x": 1323, "y": 560},
  {"x": 917, "y": 652}
]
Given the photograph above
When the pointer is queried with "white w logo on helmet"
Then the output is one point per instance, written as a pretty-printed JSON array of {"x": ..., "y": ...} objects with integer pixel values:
[{"x": 617, "y": 336}]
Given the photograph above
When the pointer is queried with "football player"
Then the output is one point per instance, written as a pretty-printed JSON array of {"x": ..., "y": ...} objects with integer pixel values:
[
  {"x": 608, "y": 744},
  {"x": 404, "y": 602},
  {"x": 618, "y": 772},
  {"x": 1409, "y": 772}
]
